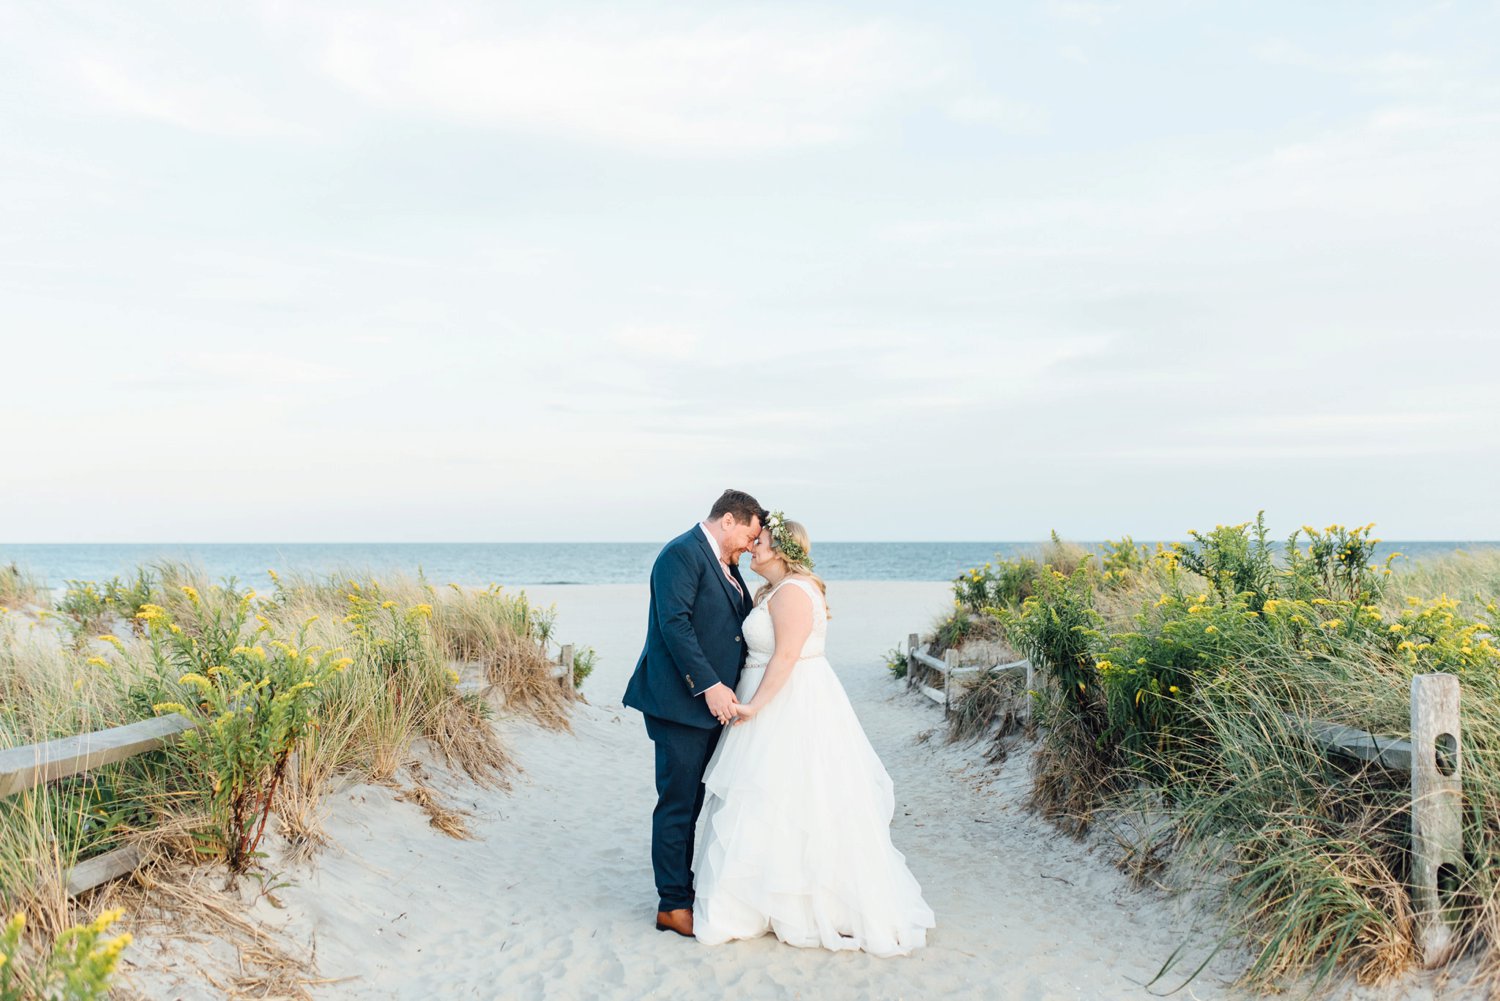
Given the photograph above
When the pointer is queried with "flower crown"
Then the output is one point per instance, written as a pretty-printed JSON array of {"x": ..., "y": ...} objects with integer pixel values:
[{"x": 785, "y": 543}]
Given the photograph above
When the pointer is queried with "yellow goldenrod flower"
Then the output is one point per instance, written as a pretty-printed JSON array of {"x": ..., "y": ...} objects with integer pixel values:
[
  {"x": 114, "y": 947},
  {"x": 1173, "y": 689},
  {"x": 176, "y": 629},
  {"x": 193, "y": 678},
  {"x": 170, "y": 707},
  {"x": 1211, "y": 629},
  {"x": 424, "y": 610},
  {"x": 387, "y": 604},
  {"x": 192, "y": 593},
  {"x": 97, "y": 662},
  {"x": 1397, "y": 627},
  {"x": 108, "y": 918},
  {"x": 1333, "y": 623},
  {"x": 113, "y": 641}
]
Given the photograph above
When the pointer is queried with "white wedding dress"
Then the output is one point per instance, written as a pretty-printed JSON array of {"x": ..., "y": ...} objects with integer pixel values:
[{"x": 797, "y": 813}]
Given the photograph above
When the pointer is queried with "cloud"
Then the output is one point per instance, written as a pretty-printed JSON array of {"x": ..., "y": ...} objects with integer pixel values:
[
  {"x": 213, "y": 370},
  {"x": 1396, "y": 73},
  {"x": 719, "y": 85},
  {"x": 208, "y": 105},
  {"x": 657, "y": 341},
  {"x": 1008, "y": 115},
  {"x": 1082, "y": 11}
]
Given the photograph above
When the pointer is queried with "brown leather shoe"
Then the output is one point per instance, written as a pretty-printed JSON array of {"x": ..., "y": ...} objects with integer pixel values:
[{"x": 680, "y": 921}]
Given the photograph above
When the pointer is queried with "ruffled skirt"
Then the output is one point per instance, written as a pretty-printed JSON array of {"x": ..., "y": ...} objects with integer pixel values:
[{"x": 796, "y": 837}]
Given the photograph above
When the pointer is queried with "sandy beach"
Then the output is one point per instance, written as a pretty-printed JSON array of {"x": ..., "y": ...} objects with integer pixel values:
[{"x": 553, "y": 899}]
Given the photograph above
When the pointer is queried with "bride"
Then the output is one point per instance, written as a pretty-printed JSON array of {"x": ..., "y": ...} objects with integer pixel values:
[{"x": 796, "y": 836}]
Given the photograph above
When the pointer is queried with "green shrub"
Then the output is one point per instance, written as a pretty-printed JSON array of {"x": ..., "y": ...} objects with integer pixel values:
[
  {"x": 1196, "y": 700},
  {"x": 253, "y": 702},
  {"x": 77, "y": 969},
  {"x": 584, "y": 659}
]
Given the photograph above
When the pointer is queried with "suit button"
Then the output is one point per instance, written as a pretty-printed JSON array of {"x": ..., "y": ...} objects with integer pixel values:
[{"x": 736, "y": 639}]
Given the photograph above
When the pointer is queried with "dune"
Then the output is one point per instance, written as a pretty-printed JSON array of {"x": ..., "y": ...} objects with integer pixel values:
[{"x": 553, "y": 897}]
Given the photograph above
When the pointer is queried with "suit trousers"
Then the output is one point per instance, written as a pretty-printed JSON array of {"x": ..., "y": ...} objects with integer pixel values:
[{"x": 682, "y": 754}]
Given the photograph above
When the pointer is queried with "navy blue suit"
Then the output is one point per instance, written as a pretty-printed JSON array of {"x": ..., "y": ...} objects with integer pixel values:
[{"x": 693, "y": 642}]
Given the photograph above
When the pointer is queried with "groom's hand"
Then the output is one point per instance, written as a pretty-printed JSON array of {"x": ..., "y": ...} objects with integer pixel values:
[{"x": 721, "y": 703}]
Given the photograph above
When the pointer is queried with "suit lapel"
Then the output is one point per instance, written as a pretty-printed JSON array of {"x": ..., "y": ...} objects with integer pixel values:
[
  {"x": 736, "y": 601},
  {"x": 744, "y": 594}
]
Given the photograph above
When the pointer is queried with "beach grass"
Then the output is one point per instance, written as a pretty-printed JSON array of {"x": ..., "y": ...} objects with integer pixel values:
[
  {"x": 18, "y": 588},
  {"x": 1176, "y": 684},
  {"x": 313, "y": 682}
]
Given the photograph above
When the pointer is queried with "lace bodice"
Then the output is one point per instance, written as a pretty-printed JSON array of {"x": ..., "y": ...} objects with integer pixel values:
[{"x": 760, "y": 634}]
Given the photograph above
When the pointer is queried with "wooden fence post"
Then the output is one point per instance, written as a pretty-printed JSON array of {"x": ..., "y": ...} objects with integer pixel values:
[
  {"x": 1437, "y": 839},
  {"x": 912, "y": 642},
  {"x": 950, "y": 658},
  {"x": 567, "y": 666}
]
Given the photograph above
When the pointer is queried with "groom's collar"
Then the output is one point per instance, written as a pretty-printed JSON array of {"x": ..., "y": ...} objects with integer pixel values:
[{"x": 713, "y": 543}]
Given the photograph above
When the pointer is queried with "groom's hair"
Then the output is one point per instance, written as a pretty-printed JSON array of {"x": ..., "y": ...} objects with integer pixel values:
[{"x": 741, "y": 505}]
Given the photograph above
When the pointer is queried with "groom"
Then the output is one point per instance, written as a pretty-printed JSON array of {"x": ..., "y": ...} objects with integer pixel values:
[{"x": 684, "y": 682}]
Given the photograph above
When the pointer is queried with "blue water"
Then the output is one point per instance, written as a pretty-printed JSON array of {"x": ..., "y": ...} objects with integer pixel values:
[{"x": 520, "y": 562}]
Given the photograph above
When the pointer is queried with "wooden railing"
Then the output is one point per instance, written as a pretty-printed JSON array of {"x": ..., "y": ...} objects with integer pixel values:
[
  {"x": 25, "y": 768},
  {"x": 1431, "y": 756},
  {"x": 948, "y": 668}
]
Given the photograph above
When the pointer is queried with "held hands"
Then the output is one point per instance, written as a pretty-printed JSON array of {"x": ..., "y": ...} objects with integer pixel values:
[{"x": 721, "y": 702}]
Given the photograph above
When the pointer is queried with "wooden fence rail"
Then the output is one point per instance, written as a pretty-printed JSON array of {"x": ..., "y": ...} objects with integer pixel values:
[
  {"x": 948, "y": 668},
  {"x": 33, "y": 765},
  {"x": 1431, "y": 757}
]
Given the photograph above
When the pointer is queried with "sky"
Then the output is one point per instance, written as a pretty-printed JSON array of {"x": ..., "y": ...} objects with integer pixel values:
[{"x": 476, "y": 271}]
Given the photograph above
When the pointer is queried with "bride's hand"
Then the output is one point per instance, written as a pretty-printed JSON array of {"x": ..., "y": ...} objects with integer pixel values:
[{"x": 746, "y": 712}]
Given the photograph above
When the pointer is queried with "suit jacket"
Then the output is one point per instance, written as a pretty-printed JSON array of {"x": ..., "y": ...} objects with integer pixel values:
[{"x": 693, "y": 637}]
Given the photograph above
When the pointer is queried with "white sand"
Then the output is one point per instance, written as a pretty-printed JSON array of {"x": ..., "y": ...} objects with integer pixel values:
[{"x": 555, "y": 899}]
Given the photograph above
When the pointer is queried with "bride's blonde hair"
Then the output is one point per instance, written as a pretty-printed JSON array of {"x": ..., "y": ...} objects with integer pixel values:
[{"x": 797, "y": 532}]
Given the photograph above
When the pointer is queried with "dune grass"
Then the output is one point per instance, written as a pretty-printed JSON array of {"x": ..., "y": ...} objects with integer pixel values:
[
  {"x": 312, "y": 682},
  {"x": 1174, "y": 686},
  {"x": 19, "y": 589}
]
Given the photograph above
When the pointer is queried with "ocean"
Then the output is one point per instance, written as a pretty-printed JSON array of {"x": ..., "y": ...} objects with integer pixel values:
[{"x": 520, "y": 563}]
